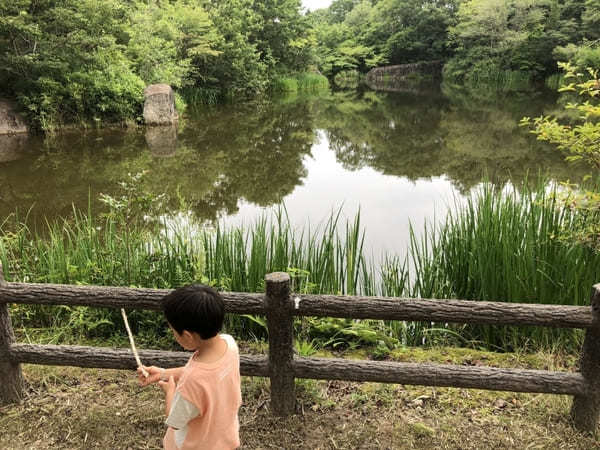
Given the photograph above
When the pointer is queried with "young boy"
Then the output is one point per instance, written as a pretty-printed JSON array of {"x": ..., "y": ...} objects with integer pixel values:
[{"x": 203, "y": 397}]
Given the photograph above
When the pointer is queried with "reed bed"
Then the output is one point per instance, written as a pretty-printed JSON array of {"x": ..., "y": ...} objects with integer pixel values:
[
  {"x": 302, "y": 82},
  {"x": 498, "y": 245},
  {"x": 507, "y": 246},
  {"x": 499, "y": 80},
  {"x": 309, "y": 81}
]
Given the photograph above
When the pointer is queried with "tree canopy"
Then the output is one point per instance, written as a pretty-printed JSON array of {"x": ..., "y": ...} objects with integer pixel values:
[{"x": 82, "y": 60}]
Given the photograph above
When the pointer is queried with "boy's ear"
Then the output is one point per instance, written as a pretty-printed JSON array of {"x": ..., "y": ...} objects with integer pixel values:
[{"x": 190, "y": 336}]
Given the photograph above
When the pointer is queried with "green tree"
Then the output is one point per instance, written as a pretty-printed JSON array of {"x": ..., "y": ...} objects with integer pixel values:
[
  {"x": 364, "y": 34},
  {"x": 591, "y": 19},
  {"x": 283, "y": 37},
  {"x": 168, "y": 42},
  {"x": 65, "y": 61},
  {"x": 342, "y": 44},
  {"x": 239, "y": 70},
  {"x": 413, "y": 30},
  {"x": 496, "y": 36},
  {"x": 581, "y": 141}
]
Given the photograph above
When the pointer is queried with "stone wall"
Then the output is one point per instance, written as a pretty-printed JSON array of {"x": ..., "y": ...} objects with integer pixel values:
[{"x": 390, "y": 75}]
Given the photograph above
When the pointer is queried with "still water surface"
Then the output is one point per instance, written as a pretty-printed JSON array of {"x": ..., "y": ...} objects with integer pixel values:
[{"x": 400, "y": 157}]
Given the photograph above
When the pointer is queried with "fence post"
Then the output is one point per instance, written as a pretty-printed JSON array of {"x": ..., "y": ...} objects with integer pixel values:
[
  {"x": 280, "y": 322},
  {"x": 585, "y": 411},
  {"x": 11, "y": 378}
]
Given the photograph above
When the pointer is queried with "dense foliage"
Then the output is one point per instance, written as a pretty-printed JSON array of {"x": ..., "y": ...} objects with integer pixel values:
[
  {"x": 81, "y": 60},
  {"x": 361, "y": 35},
  {"x": 489, "y": 42},
  {"x": 579, "y": 138},
  {"x": 494, "y": 36}
]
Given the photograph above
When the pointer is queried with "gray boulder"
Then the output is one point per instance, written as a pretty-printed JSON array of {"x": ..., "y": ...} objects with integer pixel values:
[
  {"x": 159, "y": 105},
  {"x": 10, "y": 120}
]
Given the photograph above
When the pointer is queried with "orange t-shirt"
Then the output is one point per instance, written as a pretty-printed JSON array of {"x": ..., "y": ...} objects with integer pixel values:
[{"x": 214, "y": 389}]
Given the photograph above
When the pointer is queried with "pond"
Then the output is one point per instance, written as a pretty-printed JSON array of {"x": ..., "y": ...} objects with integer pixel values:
[{"x": 401, "y": 157}]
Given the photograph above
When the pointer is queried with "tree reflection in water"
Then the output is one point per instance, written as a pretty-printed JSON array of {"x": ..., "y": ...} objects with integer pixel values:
[{"x": 256, "y": 152}]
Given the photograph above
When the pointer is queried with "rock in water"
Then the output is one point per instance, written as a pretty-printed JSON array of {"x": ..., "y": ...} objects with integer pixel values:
[
  {"x": 10, "y": 120},
  {"x": 159, "y": 105}
]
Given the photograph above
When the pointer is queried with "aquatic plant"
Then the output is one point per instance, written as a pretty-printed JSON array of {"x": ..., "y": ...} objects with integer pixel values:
[{"x": 499, "y": 245}]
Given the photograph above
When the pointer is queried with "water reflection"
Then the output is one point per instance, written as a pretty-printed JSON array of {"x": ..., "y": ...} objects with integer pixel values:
[
  {"x": 12, "y": 146},
  {"x": 395, "y": 154},
  {"x": 162, "y": 140},
  {"x": 421, "y": 137},
  {"x": 388, "y": 204}
]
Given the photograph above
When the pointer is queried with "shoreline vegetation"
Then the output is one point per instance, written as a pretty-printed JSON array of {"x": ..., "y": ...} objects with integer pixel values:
[
  {"x": 498, "y": 246},
  {"x": 72, "y": 64},
  {"x": 77, "y": 62}
]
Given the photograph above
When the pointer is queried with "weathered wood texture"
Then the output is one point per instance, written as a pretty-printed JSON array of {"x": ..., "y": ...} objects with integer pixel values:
[
  {"x": 281, "y": 343},
  {"x": 320, "y": 368},
  {"x": 120, "y": 358},
  {"x": 585, "y": 411},
  {"x": 281, "y": 366},
  {"x": 114, "y": 297},
  {"x": 446, "y": 310},
  {"x": 11, "y": 378},
  {"x": 478, "y": 377},
  {"x": 386, "y": 308}
]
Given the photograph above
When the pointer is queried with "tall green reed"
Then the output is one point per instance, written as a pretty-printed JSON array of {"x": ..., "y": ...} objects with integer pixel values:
[
  {"x": 554, "y": 81},
  {"x": 89, "y": 250},
  {"x": 301, "y": 82},
  {"x": 490, "y": 77},
  {"x": 309, "y": 81},
  {"x": 505, "y": 246},
  {"x": 497, "y": 245}
]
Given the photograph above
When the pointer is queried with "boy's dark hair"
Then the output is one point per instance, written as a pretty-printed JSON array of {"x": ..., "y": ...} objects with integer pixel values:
[{"x": 195, "y": 308}]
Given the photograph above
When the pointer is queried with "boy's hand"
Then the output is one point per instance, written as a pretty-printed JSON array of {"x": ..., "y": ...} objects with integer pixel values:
[
  {"x": 168, "y": 387},
  {"x": 154, "y": 374}
]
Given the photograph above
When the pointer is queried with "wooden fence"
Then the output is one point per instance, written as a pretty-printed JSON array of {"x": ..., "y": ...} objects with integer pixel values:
[{"x": 282, "y": 367}]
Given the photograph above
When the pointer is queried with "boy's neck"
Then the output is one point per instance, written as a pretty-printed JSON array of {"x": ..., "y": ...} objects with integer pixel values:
[{"x": 210, "y": 350}]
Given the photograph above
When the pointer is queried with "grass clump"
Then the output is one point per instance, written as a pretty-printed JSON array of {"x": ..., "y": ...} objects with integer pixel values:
[
  {"x": 302, "y": 82},
  {"x": 497, "y": 246},
  {"x": 500, "y": 80},
  {"x": 285, "y": 84},
  {"x": 554, "y": 81},
  {"x": 310, "y": 81},
  {"x": 506, "y": 246}
]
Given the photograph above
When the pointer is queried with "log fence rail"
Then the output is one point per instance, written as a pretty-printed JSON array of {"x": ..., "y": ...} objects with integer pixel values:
[{"x": 282, "y": 367}]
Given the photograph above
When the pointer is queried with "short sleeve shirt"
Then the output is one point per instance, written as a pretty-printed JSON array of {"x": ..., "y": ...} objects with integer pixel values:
[{"x": 204, "y": 413}]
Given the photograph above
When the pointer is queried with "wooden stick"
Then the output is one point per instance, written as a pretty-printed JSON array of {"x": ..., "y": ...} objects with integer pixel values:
[{"x": 133, "y": 349}]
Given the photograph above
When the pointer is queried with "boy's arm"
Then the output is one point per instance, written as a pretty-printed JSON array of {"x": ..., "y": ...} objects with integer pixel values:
[
  {"x": 177, "y": 409},
  {"x": 157, "y": 374},
  {"x": 169, "y": 389},
  {"x": 174, "y": 372}
]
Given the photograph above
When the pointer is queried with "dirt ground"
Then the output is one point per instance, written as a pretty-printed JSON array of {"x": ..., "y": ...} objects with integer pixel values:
[{"x": 73, "y": 408}]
